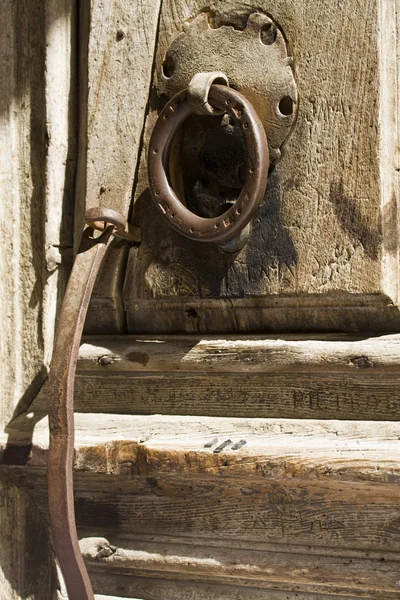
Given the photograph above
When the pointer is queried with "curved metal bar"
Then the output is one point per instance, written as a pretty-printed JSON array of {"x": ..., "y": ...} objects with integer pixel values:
[
  {"x": 225, "y": 227},
  {"x": 61, "y": 413},
  {"x": 99, "y": 217},
  {"x": 198, "y": 91}
]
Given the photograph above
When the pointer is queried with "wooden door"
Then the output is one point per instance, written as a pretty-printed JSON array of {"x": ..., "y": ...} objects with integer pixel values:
[
  {"x": 323, "y": 252},
  {"x": 237, "y": 434}
]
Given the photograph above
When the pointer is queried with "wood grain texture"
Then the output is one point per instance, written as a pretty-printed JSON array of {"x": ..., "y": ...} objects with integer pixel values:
[
  {"x": 313, "y": 513},
  {"x": 270, "y": 354},
  {"x": 101, "y": 597},
  {"x": 158, "y": 589},
  {"x": 294, "y": 377},
  {"x": 218, "y": 562},
  {"x": 309, "y": 506},
  {"x": 37, "y": 170},
  {"x": 26, "y": 570},
  {"x": 115, "y": 78},
  {"x": 61, "y": 113},
  {"x": 266, "y": 315},
  {"x": 22, "y": 262},
  {"x": 312, "y": 441},
  {"x": 321, "y": 230},
  {"x": 121, "y": 44},
  {"x": 389, "y": 45}
]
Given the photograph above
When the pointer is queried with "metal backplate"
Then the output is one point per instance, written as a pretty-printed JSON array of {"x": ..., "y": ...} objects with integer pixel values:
[
  {"x": 208, "y": 159},
  {"x": 255, "y": 60}
]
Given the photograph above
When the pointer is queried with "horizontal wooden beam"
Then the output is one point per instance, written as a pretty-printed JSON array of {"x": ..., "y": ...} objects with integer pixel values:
[
  {"x": 101, "y": 597},
  {"x": 206, "y": 505},
  {"x": 255, "y": 504},
  {"x": 216, "y": 561},
  {"x": 335, "y": 450},
  {"x": 325, "y": 483},
  {"x": 290, "y": 377},
  {"x": 233, "y": 354},
  {"x": 173, "y": 589}
]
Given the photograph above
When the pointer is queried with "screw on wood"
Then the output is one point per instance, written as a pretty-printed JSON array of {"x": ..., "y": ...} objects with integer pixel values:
[
  {"x": 211, "y": 444},
  {"x": 222, "y": 446},
  {"x": 239, "y": 445}
]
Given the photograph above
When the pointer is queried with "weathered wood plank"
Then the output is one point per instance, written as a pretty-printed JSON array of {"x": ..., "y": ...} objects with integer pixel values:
[
  {"x": 157, "y": 589},
  {"x": 122, "y": 38},
  {"x": 26, "y": 569},
  {"x": 293, "y": 377},
  {"x": 22, "y": 265},
  {"x": 352, "y": 447},
  {"x": 37, "y": 170},
  {"x": 164, "y": 431},
  {"x": 253, "y": 395},
  {"x": 279, "y": 504},
  {"x": 323, "y": 231},
  {"x": 304, "y": 524},
  {"x": 261, "y": 315},
  {"x": 218, "y": 543},
  {"x": 389, "y": 45},
  {"x": 322, "y": 483},
  {"x": 115, "y": 84},
  {"x": 304, "y": 511},
  {"x": 37, "y": 74},
  {"x": 113, "y": 598},
  {"x": 256, "y": 354},
  {"x": 218, "y": 562},
  {"x": 61, "y": 112}
]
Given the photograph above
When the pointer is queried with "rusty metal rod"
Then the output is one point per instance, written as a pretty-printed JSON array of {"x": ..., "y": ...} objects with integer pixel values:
[{"x": 61, "y": 412}]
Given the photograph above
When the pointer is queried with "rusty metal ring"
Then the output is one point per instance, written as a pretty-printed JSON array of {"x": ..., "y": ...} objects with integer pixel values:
[{"x": 228, "y": 225}]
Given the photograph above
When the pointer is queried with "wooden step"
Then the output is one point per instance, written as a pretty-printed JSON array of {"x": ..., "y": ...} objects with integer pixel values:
[
  {"x": 217, "y": 508},
  {"x": 326, "y": 377}
]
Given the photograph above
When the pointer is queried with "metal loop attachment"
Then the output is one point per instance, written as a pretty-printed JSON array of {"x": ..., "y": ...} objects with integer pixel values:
[
  {"x": 223, "y": 228},
  {"x": 198, "y": 90},
  {"x": 99, "y": 217}
]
